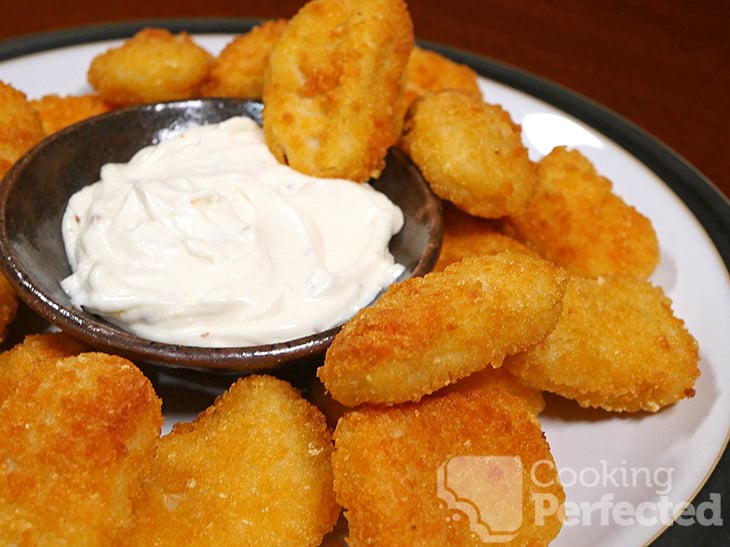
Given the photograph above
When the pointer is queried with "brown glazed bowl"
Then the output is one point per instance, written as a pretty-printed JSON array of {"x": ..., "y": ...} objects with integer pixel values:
[{"x": 33, "y": 197}]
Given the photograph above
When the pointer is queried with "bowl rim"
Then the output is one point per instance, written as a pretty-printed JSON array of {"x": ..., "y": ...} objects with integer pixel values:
[{"x": 104, "y": 336}]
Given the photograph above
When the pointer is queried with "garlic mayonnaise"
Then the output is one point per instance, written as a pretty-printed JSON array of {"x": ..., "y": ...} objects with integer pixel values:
[{"x": 206, "y": 240}]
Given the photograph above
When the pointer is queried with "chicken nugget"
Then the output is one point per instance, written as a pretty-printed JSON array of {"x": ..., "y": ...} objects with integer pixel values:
[
  {"x": 470, "y": 152},
  {"x": 498, "y": 378},
  {"x": 331, "y": 409},
  {"x": 154, "y": 65},
  {"x": 59, "y": 112},
  {"x": 239, "y": 69},
  {"x": 427, "y": 332},
  {"x": 617, "y": 346},
  {"x": 8, "y": 305},
  {"x": 428, "y": 71},
  {"x": 78, "y": 434},
  {"x": 575, "y": 220},
  {"x": 23, "y": 359},
  {"x": 20, "y": 126},
  {"x": 253, "y": 469},
  {"x": 453, "y": 469},
  {"x": 333, "y": 87},
  {"x": 465, "y": 236}
]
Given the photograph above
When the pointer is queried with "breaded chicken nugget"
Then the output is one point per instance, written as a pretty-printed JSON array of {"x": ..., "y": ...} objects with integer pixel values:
[
  {"x": 498, "y": 378},
  {"x": 465, "y": 236},
  {"x": 154, "y": 65},
  {"x": 8, "y": 305},
  {"x": 239, "y": 69},
  {"x": 59, "y": 112},
  {"x": 617, "y": 346},
  {"x": 253, "y": 469},
  {"x": 575, "y": 220},
  {"x": 428, "y": 71},
  {"x": 24, "y": 359},
  {"x": 331, "y": 409},
  {"x": 470, "y": 152},
  {"x": 426, "y": 333},
  {"x": 20, "y": 126},
  {"x": 78, "y": 434},
  {"x": 333, "y": 87},
  {"x": 453, "y": 469}
]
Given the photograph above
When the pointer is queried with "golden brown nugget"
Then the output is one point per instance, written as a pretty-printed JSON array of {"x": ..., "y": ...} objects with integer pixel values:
[
  {"x": 575, "y": 220},
  {"x": 331, "y": 409},
  {"x": 467, "y": 236},
  {"x": 489, "y": 379},
  {"x": 239, "y": 69},
  {"x": 253, "y": 469},
  {"x": 79, "y": 433},
  {"x": 154, "y": 65},
  {"x": 428, "y": 71},
  {"x": 8, "y": 306},
  {"x": 470, "y": 152},
  {"x": 333, "y": 87},
  {"x": 617, "y": 346},
  {"x": 24, "y": 359},
  {"x": 58, "y": 112},
  {"x": 20, "y": 126},
  {"x": 426, "y": 333},
  {"x": 415, "y": 474}
]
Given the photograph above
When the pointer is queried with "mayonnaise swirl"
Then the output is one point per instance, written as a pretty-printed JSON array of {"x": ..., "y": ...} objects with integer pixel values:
[{"x": 206, "y": 240}]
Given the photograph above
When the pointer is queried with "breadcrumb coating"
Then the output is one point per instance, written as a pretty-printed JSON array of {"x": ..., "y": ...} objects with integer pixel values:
[
  {"x": 396, "y": 466},
  {"x": 154, "y": 65},
  {"x": 575, "y": 220},
  {"x": 466, "y": 236},
  {"x": 58, "y": 112},
  {"x": 426, "y": 333},
  {"x": 333, "y": 87},
  {"x": 78, "y": 435},
  {"x": 428, "y": 71},
  {"x": 20, "y": 126},
  {"x": 239, "y": 69},
  {"x": 617, "y": 346},
  {"x": 252, "y": 469},
  {"x": 470, "y": 152}
]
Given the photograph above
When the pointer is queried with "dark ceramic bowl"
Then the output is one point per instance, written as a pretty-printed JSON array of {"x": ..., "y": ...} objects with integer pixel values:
[{"x": 33, "y": 198}]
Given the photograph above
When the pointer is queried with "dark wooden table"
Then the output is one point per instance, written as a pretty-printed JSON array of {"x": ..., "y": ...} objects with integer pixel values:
[{"x": 662, "y": 64}]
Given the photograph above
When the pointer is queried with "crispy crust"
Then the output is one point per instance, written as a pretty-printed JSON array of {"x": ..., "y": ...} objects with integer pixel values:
[
  {"x": 240, "y": 68},
  {"x": 489, "y": 379},
  {"x": 79, "y": 433},
  {"x": 426, "y": 333},
  {"x": 466, "y": 236},
  {"x": 20, "y": 126},
  {"x": 428, "y": 71},
  {"x": 333, "y": 86},
  {"x": 470, "y": 152},
  {"x": 617, "y": 346},
  {"x": 154, "y": 65},
  {"x": 255, "y": 465},
  {"x": 58, "y": 112},
  {"x": 387, "y": 465},
  {"x": 575, "y": 220}
]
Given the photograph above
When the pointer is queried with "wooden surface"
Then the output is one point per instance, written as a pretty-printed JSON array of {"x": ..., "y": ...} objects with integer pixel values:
[{"x": 662, "y": 64}]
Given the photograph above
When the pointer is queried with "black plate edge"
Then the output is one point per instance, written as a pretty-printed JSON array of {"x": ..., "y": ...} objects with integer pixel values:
[
  {"x": 704, "y": 200},
  {"x": 44, "y": 41}
]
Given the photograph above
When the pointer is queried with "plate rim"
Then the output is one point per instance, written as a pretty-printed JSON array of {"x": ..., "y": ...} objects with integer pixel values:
[{"x": 705, "y": 201}]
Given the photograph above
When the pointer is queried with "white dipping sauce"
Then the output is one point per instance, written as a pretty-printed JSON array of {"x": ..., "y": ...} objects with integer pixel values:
[{"x": 206, "y": 240}]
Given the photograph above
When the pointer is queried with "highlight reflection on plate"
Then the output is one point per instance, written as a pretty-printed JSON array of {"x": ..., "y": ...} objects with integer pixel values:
[{"x": 676, "y": 448}]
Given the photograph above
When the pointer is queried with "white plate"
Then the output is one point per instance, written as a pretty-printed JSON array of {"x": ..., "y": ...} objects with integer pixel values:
[{"x": 620, "y": 472}]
